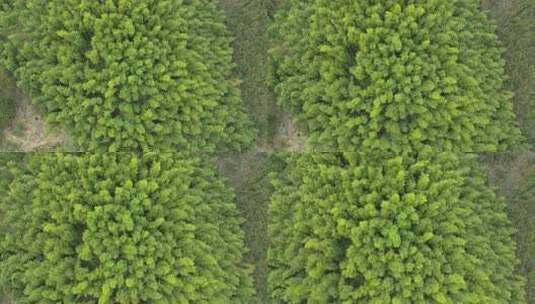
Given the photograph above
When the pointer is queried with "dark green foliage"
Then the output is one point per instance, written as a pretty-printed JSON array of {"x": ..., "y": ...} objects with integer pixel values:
[
  {"x": 517, "y": 29},
  {"x": 118, "y": 228},
  {"x": 523, "y": 212},
  {"x": 7, "y": 111},
  {"x": 7, "y": 159},
  {"x": 7, "y": 102},
  {"x": 129, "y": 75},
  {"x": 249, "y": 175},
  {"x": 248, "y": 21},
  {"x": 355, "y": 228},
  {"x": 514, "y": 176},
  {"x": 393, "y": 75}
]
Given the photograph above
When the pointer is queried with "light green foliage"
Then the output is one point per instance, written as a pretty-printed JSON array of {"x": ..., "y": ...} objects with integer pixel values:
[
  {"x": 355, "y": 228},
  {"x": 118, "y": 228},
  {"x": 5, "y": 174},
  {"x": 393, "y": 75},
  {"x": 130, "y": 75}
]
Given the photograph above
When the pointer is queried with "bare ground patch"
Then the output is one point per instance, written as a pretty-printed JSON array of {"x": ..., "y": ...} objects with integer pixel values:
[
  {"x": 288, "y": 136},
  {"x": 28, "y": 131}
]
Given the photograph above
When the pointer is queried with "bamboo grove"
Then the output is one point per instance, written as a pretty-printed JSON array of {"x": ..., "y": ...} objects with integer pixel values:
[
  {"x": 146, "y": 89},
  {"x": 120, "y": 228},
  {"x": 391, "y": 207},
  {"x": 352, "y": 228},
  {"x": 393, "y": 75},
  {"x": 129, "y": 75},
  {"x": 395, "y": 96}
]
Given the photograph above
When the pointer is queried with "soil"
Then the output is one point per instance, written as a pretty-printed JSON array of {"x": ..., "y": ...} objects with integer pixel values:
[{"x": 28, "y": 130}]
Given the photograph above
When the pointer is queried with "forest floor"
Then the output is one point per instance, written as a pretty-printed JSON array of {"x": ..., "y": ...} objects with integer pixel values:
[
  {"x": 248, "y": 173},
  {"x": 248, "y": 21},
  {"x": 516, "y": 30},
  {"x": 513, "y": 175}
]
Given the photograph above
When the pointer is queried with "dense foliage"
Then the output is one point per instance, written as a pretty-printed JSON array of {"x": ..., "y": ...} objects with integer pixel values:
[
  {"x": 118, "y": 228},
  {"x": 354, "y": 228},
  {"x": 129, "y": 75},
  {"x": 393, "y": 75},
  {"x": 5, "y": 174}
]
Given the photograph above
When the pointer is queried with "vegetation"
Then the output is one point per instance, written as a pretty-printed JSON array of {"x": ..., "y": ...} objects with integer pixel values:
[
  {"x": 410, "y": 226},
  {"x": 129, "y": 75},
  {"x": 5, "y": 174},
  {"x": 248, "y": 174},
  {"x": 417, "y": 224},
  {"x": 248, "y": 21},
  {"x": 393, "y": 75},
  {"x": 7, "y": 102},
  {"x": 7, "y": 111},
  {"x": 513, "y": 174},
  {"x": 355, "y": 228},
  {"x": 517, "y": 30},
  {"x": 119, "y": 228},
  {"x": 522, "y": 213}
]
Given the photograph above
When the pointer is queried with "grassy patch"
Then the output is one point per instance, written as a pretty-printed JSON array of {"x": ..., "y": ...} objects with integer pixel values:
[
  {"x": 248, "y": 21},
  {"x": 248, "y": 174},
  {"x": 7, "y": 100},
  {"x": 513, "y": 175},
  {"x": 516, "y": 29}
]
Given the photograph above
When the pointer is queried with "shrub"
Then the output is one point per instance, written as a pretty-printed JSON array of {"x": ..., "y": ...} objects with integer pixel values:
[
  {"x": 393, "y": 75},
  {"x": 119, "y": 228},
  {"x": 130, "y": 75},
  {"x": 355, "y": 228}
]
